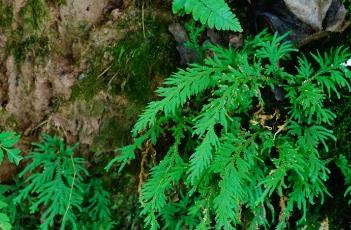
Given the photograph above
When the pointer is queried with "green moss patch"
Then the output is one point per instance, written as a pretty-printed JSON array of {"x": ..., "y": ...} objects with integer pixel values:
[
  {"x": 135, "y": 62},
  {"x": 21, "y": 47},
  {"x": 5, "y": 16},
  {"x": 33, "y": 13}
]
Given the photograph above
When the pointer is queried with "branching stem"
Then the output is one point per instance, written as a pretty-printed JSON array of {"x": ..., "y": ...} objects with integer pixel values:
[{"x": 71, "y": 190}]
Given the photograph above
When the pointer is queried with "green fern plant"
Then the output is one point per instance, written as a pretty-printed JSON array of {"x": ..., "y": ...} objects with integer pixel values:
[
  {"x": 53, "y": 183},
  {"x": 7, "y": 142},
  {"x": 4, "y": 219},
  {"x": 232, "y": 149},
  {"x": 97, "y": 212},
  {"x": 214, "y": 13},
  {"x": 53, "y": 186}
]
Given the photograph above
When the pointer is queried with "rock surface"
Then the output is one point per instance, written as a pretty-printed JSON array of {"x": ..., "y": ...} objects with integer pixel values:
[
  {"x": 312, "y": 12},
  {"x": 316, "y": 13},
  {"x": 36, "y": 86}
]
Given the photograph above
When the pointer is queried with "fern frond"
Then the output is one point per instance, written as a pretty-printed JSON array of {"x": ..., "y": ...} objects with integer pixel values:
[
  {"x": 304, "y": 191},
  {"x": 184, "y": 84},
  {"x": 227, "y": 203},
  {"x": 178, "y": 5},
  {"x": 127, "y": 153},
  {"x": 308, "y": 102},
  {"x": 201, "y": 159},
  {"x": 304, "y": 69},
  {"x": 311, "y": 136},
  {"x": 275, "y": 50},
  {"x": 332, "y": 58},
  {"x": 180, "y": 87},
  {"x": 214, "y": 13},
  {"x": 289, "y": 159},
  {"x": 7, "y": 142},
  {"x": 162, "y": 178},
  {"x": 56, "y": 182},
  {"x": 5, "y": 223},
  {"x": 100, "y": 202},
  {"x": 332, "y": 73},
  {"x": 235, "y": 161}
]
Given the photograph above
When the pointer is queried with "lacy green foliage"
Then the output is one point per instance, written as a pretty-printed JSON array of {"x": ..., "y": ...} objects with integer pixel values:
[
  {"x": 137, "y": 60},
  {"x": 55, "y": 182},
  {"x": 54, "y": 187},
  {"x": 7, "y": 145},
  {"x": 16, "y": 213},
  {"x": 4, "y": 219},
  {"x": 233, "y": 150},
  {"x": 163, "y": 176},
  {"x": 96, "y": 207},
  {"x": 98, "y": 210},
  {"x": 214, "y": 13},
  {"x": 7, "y": 142}
]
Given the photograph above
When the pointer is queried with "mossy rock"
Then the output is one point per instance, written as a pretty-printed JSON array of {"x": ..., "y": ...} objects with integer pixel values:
[
  {"x": 23, "y": 47},
  {"x": 5, "y": 16},
  {"x": 115, "y": 129},
  {"x": 132, "y": 66},
  {"x": 33, "y": 14}
]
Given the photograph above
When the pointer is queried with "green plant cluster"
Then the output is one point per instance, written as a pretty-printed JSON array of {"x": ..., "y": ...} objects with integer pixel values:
[
  {"x": 54, "y": 186},
  {"x": 235, "y": 155},
  {"x": 247, "y": 134},
  {"x": 242, "y": 139}
]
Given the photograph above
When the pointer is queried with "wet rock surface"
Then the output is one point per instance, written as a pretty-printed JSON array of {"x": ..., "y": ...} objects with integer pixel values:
[{"x": 306, "y": 20}]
